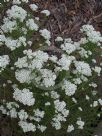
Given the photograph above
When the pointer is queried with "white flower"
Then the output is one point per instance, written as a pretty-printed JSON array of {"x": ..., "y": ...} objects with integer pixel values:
[
  {"x": 22, "y": 115},
  {"x": 80, "y": 123},
  {"x": 4, "y": 61},
  {"x": 9, "y": 26},
  {"x": 2, "y": 109},
  {"x": 97, "y": 70},
  {"x": 13, "y": 44},
  {"x": 83, "y": 68},
  {"x": 24, "y": 96},
  {"x": 24, "y": 30},
  {"x": 45, "y": 33},
  {"x": 68, "y": 40},
  {"x": 95, "y": 103},
  {"x": 30, "y": 43},
  {"x": 31, "y": 25},
  {"x": 53, "y": 58},
  {"x": 23, "y": 76},
  {"x": 93, "y": 85},
  {"x": 57, "y": 125},
  {"x": 65, "y": 112},
  {"x": 19, "y": 1},
  {"x": 68, "y": 47},
  {"x": 64, "y": 62},
  {"x": 16, "y": 2},
  {"x": 69, "y": 88},
  {"x": 54, "y": 95},
  {"x": 93, "y": 35},
  {"x": 59, "y": 39},
  {"x": 13, "y": 113},
  {"x": 6, "y": 0},
  {"x": 94, "y": 61},
  {"x": 38, "y": 115},
  {"x": 11, "y": 105},
  {"x": 77, "y": 81},
  {"x": 2, "y": 39},
  {"x": 47, "y": 103},
  {"x": 21, "y": 62},
  {"x": 48, "y": 42},
  {"x": 74, "y": 100},
  {"x": 59, "y": 106},
  {"x": 39, "y": 59},
  {"x": 41, "y": 128},
  {"x": 46, "y": 12},
  {"x": 22, "y": 41},
  {"x": 83, "y": 40},
  {"x": 29, "y": 53},
  {"x": 80, "y": 108},
  {"x": 27, "y": 127},
  {"x": 16, "y": 12},
  {"x": 26, "y": 1},
  {"x": 48, "y": 77},
  {"x": 70, "y": 128},
  {"x": 94, "y": 92},
  {"x": 83, "y": 53},
  {"x": 87, "y": 97},
  {"x": 34, "y": 7},
  {"x": 100, "y": 101}
]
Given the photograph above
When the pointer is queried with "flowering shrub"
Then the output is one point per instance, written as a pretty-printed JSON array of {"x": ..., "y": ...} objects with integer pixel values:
[{"x": 47, "y": 91}]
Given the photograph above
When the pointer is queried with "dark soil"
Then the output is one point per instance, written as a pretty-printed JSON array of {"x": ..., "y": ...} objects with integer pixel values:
[{"x": 67, "y": 16}]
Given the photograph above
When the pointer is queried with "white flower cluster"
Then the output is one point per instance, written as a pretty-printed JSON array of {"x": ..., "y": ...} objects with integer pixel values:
[
  {"x": 13, "y": 113},
  {"x": 21, "y": 62},
  {"x": 84, "y": 53},
  {"x": 80, "y": 123},
  {"x": 64, "y": 62},
  {"x": 38, "y": 115},
  {"x": 34, "y": 7},
  {"x": 22, "y": 115},
  {"x": 8, "y": 25},
  {"x": 24, "y": 96},
  {"x": 38, "y": 59},
  {"x": 48, "y": 77},
  {"x": 54, "y": 95},
  {"x": 68, "y": 47},
  {"x": 19, "y": 1},
  {"x": 69, "y": 88},
  {"x": 13, "y": 44},
  {"x": 93, "y": 35},
  {"x": 10, "y": 110},
  {"x": 70, "y": 128},
  {"x": 46, "y": 34},
  {"x": 46, "y": 12},
  {"x": 31, "y": 24},
  {"x": 59, "y": 39},
  {"x": 27, "y": 126},
  {"x": 23, "y": 76},
  {"x": 83, "y": 68},
  {"x": 4, "y": 61},
  {"x": 17, "y": 12},
  {"x": 61, "y": 114},
  {"x": 15, "y": 16},
  {"x": 97, "y": 70},
  {"x": 41, "y": 128}
]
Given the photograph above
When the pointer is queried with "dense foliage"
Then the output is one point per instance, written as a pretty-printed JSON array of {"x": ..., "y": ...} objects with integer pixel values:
[{"x": 45, "y": 90}]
